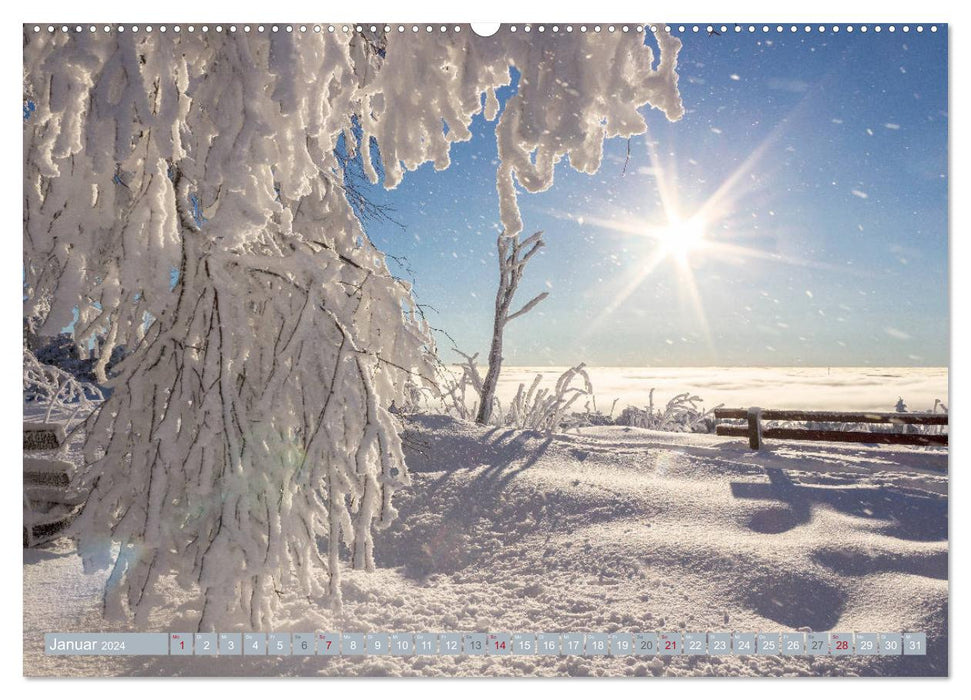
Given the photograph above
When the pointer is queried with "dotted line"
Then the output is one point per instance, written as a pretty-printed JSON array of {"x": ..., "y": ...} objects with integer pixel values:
[{"x": 428, "y": 28}]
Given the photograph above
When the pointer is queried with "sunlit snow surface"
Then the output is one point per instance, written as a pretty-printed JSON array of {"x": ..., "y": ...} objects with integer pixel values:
[
  {"x": 819, "y": 388},
  {"x": 606, "y": 529}
]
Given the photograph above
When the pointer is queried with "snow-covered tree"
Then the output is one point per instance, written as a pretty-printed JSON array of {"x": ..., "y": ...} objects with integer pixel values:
[
  {"x": 182, "y": 197},
  {"x": 513, "y": 256}
]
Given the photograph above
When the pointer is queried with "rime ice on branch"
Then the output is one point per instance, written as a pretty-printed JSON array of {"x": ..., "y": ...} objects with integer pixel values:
[{"x": 183, "y": 197}]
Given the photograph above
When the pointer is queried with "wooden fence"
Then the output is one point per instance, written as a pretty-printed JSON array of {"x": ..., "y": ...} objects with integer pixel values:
[{"x": 756, "y": 434}]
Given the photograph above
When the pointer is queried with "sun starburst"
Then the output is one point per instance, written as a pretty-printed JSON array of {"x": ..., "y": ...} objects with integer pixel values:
[{"x": 679, "y": 240}]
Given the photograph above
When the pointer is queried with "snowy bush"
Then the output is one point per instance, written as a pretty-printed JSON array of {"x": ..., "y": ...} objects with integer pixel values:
[
  {"x": 59, "y": 394},
  {"x": 937, "y": 429},
  {"x": 456, "y": 393},
  {"x": 682, "y": 414},
  {"x": 545, "y": 410},
  {"x": 592, "y": 415},
  {"x": 183, "y": 198}
]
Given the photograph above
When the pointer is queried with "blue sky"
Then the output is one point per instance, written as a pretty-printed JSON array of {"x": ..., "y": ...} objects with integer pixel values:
[{"x": 829, "y": 250}]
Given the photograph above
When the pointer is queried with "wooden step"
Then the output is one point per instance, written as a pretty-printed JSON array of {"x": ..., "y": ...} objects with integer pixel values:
[
  {"x": 44, "y": 493},
  {"x": 40, "y": 531},
  {"x": 43, "y": 436},
  {"x": 61, "y": 481},
  {"x": 42, "y": 465},
  {"x": 48, "y": 513}
]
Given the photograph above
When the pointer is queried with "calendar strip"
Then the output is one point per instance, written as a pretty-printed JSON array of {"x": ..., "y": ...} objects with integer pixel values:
[{"x": 487, "y": 644}]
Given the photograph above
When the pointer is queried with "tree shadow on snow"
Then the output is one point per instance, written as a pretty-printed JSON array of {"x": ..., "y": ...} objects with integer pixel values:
[
  {"x": 444, "y": 520},
  {"x": 35, "y": 555},
  {"x": 909, "y": 516},
  {"x": 796, "y": 600},
  {"x": 444, "y": 444},
  {"x": 862, "y": 563}
]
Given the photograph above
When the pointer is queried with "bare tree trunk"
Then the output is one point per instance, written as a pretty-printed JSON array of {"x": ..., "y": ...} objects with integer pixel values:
[
  {"x": 495, "y": 361},
  {"x": 512, "y": 262}
]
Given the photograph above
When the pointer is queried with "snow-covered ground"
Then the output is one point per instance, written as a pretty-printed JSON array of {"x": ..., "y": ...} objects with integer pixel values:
[
  {"x": 819, "y": 388},
  {"x": 601, "y": 530}
]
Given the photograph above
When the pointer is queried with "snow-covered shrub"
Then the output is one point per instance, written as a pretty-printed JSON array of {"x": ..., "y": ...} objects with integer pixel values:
[
  {"x": 59, "y": 394},
  {"x": 183, "y": 197},
  {"x": 939, "y": 406},
  {"x": 460, "y": 395},
  {"x": 682, "y": 414},
  {"x": 546, "y": 410},
  {"x": 592, "y": 416}
]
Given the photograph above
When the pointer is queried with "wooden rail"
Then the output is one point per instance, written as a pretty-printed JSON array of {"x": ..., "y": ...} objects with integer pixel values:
[{"x": 756, "y": 433}]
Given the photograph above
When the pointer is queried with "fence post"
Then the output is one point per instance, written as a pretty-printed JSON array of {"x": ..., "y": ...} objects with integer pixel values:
[{"x": 754, "y": 416}]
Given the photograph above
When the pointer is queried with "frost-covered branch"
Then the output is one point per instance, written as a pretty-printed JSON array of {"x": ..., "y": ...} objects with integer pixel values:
[{"x": 528, "y": 306}]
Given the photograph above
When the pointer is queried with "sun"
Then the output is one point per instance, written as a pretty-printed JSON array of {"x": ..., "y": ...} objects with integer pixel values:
[{"x": 680, "y": 238}]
